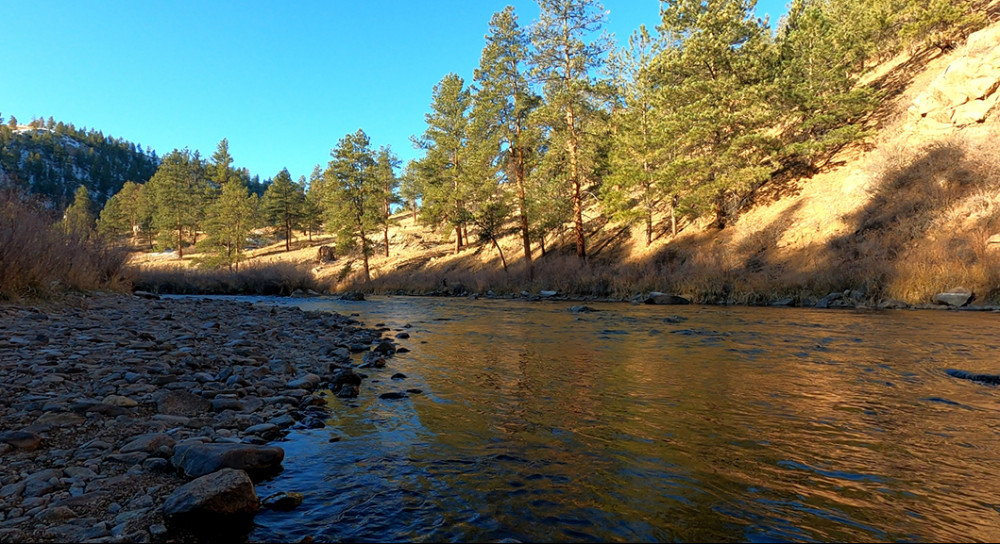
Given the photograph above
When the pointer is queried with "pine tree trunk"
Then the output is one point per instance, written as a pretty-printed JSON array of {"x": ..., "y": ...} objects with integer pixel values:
[
  {"x": 502, "y": 259},
  {"x": 364, "y": 252},
  {"x": 386, "y": 233},
  {"x": 649, "y": 228},
  {"x": 673, "y": 216},
  {"x": 574, "y": 172},
  {"x": 288, "y": 234},
  {"x": 523, "y": 209},
  {"x": 458, "y": 239}
]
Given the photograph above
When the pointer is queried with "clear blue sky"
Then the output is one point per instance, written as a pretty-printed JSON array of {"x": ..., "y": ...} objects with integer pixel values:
[{"x": 283, "y": 81}]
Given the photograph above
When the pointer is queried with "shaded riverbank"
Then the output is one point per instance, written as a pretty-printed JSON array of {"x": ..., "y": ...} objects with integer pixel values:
[{"x": 101, "y": 393}]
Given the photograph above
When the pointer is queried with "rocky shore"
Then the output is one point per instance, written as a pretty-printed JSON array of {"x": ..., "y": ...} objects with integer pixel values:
[{"x": 125, "y": 419}]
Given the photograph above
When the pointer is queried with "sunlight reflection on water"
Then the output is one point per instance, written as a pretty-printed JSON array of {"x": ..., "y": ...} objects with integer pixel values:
[{"x": 639, "y": 423}]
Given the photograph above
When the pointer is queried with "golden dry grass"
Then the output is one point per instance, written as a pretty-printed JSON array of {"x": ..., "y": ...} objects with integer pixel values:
[{"x": 38, "y": 259}]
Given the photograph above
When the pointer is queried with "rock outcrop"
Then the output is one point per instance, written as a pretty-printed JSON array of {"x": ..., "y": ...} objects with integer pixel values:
[{"x": 966, "y": 92}]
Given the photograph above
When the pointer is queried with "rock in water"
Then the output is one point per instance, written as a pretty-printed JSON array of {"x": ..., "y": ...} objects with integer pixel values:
[
  {"x": 283, "y": 501},
  {"x": 224, "y": 497},
  {"x": 665, "y": 298},
  {"x": 956, "y": 298},
  {"x": 195, "y": 460}
]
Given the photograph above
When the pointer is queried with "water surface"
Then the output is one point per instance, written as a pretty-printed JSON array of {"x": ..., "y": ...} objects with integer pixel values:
[{"x": 653, "y": 423}]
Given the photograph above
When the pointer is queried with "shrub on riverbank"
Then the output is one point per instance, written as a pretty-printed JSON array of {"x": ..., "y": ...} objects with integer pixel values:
[
  {"x": 38, "y": 258},
  {"x": 253, "y": 278}
]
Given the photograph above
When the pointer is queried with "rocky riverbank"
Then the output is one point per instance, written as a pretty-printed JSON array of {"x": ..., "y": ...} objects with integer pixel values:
[{"x": 126, "y": 419}]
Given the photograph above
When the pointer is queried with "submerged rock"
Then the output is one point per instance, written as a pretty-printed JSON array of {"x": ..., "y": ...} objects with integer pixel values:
[{"x": 283, "y": 500}]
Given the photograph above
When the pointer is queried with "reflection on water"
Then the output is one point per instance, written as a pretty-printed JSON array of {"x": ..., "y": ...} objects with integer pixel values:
[{"x": 638, "y": 423}]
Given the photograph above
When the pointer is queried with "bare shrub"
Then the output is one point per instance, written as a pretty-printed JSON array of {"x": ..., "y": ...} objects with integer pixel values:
[
  {"x": 253, "y": 278},
  {"x": 39, "y": 259}
]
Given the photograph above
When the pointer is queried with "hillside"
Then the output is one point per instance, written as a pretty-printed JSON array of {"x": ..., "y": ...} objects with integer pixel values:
[
  {"x": 52, "y": 159},
  {"x": 910, "y": 212}
]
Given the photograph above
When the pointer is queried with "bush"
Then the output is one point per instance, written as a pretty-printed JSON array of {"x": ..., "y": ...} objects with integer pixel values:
[{"x": 38, "y": 258}]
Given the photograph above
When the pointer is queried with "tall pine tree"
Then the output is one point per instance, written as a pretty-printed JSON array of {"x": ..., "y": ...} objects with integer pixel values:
[
  {"x": 353, "y": 192},
  {"x": 566, "y": 56}
]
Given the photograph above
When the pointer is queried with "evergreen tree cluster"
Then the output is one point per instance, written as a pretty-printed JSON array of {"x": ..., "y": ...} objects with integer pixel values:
[
  {"x": 53, "y": 159},
  {"x": 688, "y": 120}
]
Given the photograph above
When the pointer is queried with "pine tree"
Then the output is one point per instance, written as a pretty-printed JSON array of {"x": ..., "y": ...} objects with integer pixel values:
[
  {"x": 221, "y": 169},
  {"x": 386, "y": 164},
  {"x": 442, "y": 169},
  {"x": 354, "y": 195},
  {"x": 79, "y": 219},
  {"x": 823, "y": 108},
  {"x": 716, "y": 81},
  {"x": 176, "y": 189},
  {"x": 410, "y": 189},
  {"x": 312, "y": 209},
  {"x": 501, "y": 112},
  {"x": 126, "y": 214},
  {"x": 563, "y": 62},
  {"x": 635, "y": 186},
  {"x": 230, "y": 221},
  {"x": 283, "y": 201},
  {"x": 938, "y": 23}
]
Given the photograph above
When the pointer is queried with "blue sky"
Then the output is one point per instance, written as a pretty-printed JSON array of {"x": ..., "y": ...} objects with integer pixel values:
[{"x": 283, "y": 81}]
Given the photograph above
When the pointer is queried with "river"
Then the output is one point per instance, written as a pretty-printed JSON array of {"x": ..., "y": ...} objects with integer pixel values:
[{"x": 631, "y": 423}]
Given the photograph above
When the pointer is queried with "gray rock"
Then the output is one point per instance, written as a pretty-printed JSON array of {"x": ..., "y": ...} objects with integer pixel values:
[
  {"x": 180, "y": 403},
  {"x": 221, "y": 404},
  {"x": 22, "y": 440},
  {"x": 12, "y": 490},
  {"x": 308, "y": 382},
  {"x": 547, "y": 293},
  {"x": 955, "y": 298},
  {"x": 118, "y": 400},
  {"x": 59, "y": 419},
  {"x": 55, "y": 513},
  {"x": 665, "y": 298},
  {"x": 218, "y": 497},
  {"x": 133, "y": 458},
  {"x": 264, "y": 430},
  {"x": 42, "y": 482},
  {"x": 581, "y": 309},
  {"x": 195, "y": 460},
  {"x": 149, "y": 443}
]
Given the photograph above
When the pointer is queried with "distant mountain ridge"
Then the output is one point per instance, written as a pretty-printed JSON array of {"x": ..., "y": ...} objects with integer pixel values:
[{"x": 51, "y": 160}]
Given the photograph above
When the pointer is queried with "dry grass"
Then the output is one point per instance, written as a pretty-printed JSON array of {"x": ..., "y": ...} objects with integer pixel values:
[
  {"x": 253, "y": 278},
  {"x": 38, "y": 259}
]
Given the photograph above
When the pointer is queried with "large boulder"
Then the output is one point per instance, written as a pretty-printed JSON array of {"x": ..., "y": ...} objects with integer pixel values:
[
  {"x": 195, "y": 460},
  {"x": 214, "y": 500},
  {"x": 665, "y": 298},
  {"x": 326, "y": 254},
  {"x": 955, "y": 298}
]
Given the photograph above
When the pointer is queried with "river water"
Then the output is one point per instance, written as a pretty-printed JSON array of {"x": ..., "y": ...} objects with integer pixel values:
[{"x": 654, "y": 423}]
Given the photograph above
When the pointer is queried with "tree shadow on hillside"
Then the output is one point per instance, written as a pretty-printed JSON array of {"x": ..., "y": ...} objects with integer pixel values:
[{"x": 893, "y": 248}]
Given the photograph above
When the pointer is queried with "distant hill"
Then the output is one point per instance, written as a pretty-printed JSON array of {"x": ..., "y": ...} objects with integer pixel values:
[{"x": 51, "y": 160}]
